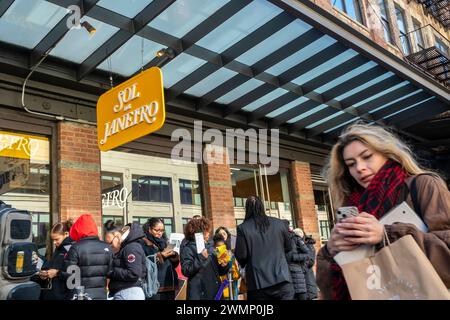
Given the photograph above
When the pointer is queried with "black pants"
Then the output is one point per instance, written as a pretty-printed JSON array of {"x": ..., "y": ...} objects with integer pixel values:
[
  {"x": 301, "y": 296},
  {"x": 166, "y": 295},
  {"x": 281, "y": 291}
]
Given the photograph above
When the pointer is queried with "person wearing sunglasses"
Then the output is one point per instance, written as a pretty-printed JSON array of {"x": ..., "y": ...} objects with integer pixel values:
[{"x": 156, "y": 243}]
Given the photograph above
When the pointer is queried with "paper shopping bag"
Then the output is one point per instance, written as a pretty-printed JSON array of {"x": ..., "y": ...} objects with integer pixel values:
[{"x": 399, "y": 271}]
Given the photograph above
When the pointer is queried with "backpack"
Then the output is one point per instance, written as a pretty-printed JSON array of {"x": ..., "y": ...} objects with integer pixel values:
[{"x": 150, "y": 284}]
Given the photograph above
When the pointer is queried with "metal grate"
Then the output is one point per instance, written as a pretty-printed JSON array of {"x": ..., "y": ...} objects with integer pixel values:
[
  {"x": 434, "y": 62},
  {"x": 440, "y": 9}
]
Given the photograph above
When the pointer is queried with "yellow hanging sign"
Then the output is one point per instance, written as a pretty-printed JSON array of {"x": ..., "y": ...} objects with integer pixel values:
[{"x": 131, "y": 110}]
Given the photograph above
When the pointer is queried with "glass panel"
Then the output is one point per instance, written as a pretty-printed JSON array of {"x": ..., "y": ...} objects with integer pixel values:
[
  {"x": 25, "y": 178},
  {"x": 26, "y": 22},
  {"x": 286, "y": 107},
  {"x": 407, "y": 108},
  {"x": 308, "y": 113},
  {"x": 402, "y": 28},
  {"x": 325, "y": 67},
  {"x": 265, "y": 99},
  {"x": 179, "y": 68},
  {"x": 420, "y": 45},
  {"x": 190, "y": 192},
  {"x": 211, "y": 82},
  {"x": 274, "y": 42},
  {"x": 340, "y": 5},
  {"x": 111, "y": 181},
  {"x": 128, "y": 58},
  {"x": 238, "y": 92},
  {"x": 385, "y": 21},
  {"x": 364, "y": 86},
  {"x": 342, "y": 124},
  {"x": 128, "y": 8},
  {"x": 77, "y": 45},
  {"x": 240, "y": 25},
  {"x": 301, "y": 55},
  {"x": 382, "y": 93},
  {"x": 315, "y": 124},
  {"x": 345, "y": 77},
  {"x": 440, "y": 45},
  {"x": 184, "y": 15},
  {"x": 395, "y": 101},
  {"x": 353, "y": 9}
]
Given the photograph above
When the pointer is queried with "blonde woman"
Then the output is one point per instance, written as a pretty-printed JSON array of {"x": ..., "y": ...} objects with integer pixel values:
[{"x": 370, "y": 168}]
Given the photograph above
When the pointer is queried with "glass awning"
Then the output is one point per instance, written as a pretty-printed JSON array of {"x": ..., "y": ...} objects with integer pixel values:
[{"x": 246, "y": 57}]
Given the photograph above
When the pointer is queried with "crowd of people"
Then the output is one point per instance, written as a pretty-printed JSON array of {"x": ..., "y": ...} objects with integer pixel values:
[
  {"x": 115, "y": 267},
  {"x": 369, "y": 168}
]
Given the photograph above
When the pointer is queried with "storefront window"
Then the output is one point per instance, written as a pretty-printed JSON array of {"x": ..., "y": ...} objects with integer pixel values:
[
  {"x": 142, "y": 186},
  {"x": 190, "y": 192},
  {"x": 273, "y": 190},
  {"x": 117, "y": 220},
  {"x": 25, "y": 179},
  {"x": 111, "y": 181},
  {"x": 152, "y": 189}
]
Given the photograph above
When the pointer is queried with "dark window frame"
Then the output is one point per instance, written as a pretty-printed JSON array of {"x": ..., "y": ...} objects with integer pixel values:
[{"x": 157, "y": 195}]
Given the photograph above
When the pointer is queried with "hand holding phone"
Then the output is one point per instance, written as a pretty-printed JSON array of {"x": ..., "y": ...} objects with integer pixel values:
[{"x": 346, "y": 212}]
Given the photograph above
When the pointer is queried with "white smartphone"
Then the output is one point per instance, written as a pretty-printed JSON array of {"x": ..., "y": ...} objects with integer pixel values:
[{"x": 346, "y": 212}]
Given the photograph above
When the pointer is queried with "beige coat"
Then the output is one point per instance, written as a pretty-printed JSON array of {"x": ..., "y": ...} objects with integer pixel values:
[{"x": 434, "y": 201}]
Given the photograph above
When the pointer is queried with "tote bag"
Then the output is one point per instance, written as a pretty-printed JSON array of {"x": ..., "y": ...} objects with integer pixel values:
[{"x": 399, "y": 271}]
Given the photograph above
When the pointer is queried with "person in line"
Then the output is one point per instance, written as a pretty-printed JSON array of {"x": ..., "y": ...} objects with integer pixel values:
[
  {"x": 261, "y": 246},
  {"x": 155, "y": 242},
  {"x": 298, "y": 258},
  {"x": 224, "y": 255},
  {"x": 129, "y": 269},
  {"x": 91, "y": 255},
  {"x": 52, "y": 270},
  {"x": 310, "y": 278},
  {"x": 202, "y": 269},
  {"x": 225, "y": 233},
  {"x": 372, "y": 169}
]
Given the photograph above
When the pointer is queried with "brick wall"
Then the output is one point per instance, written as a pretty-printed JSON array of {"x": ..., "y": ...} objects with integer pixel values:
[
  {"x": 304, "y": 204},
  {"x": 218, "y": 190},
  {"x": 78, "y": 171}
]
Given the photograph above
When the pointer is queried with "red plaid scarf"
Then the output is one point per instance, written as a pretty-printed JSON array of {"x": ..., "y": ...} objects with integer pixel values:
[{"x": 386, "y": 190}]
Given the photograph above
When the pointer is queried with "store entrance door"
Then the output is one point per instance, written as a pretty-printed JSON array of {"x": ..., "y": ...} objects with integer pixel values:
[{"x": 273, "y": 190}]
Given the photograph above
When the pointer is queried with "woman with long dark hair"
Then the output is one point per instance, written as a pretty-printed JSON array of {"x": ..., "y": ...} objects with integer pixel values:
[
  {"x": 261, "y": 246},
  {"x": 156, "y": 243}
]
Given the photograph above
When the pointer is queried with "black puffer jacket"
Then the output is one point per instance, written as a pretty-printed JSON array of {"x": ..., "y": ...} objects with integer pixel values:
[
  {"x": 58, "y": 289},
  {"x": 311, "y": 285},
  {"x": 298, "y": 259},
  {"x": 94, "y": 258},
  {"x": 129, "y": 268},
  {"x": 203, "y": 273}
]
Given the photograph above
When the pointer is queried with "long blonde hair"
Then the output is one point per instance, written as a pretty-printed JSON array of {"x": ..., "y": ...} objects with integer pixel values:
[{"x": 336, "y": 173}]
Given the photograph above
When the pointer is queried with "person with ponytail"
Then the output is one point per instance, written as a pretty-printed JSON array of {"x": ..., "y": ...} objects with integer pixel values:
[
  {"x": 52, "y": 270},
  {"x": 261, "y": 246},
  {"x": 373, "y": 170}
]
